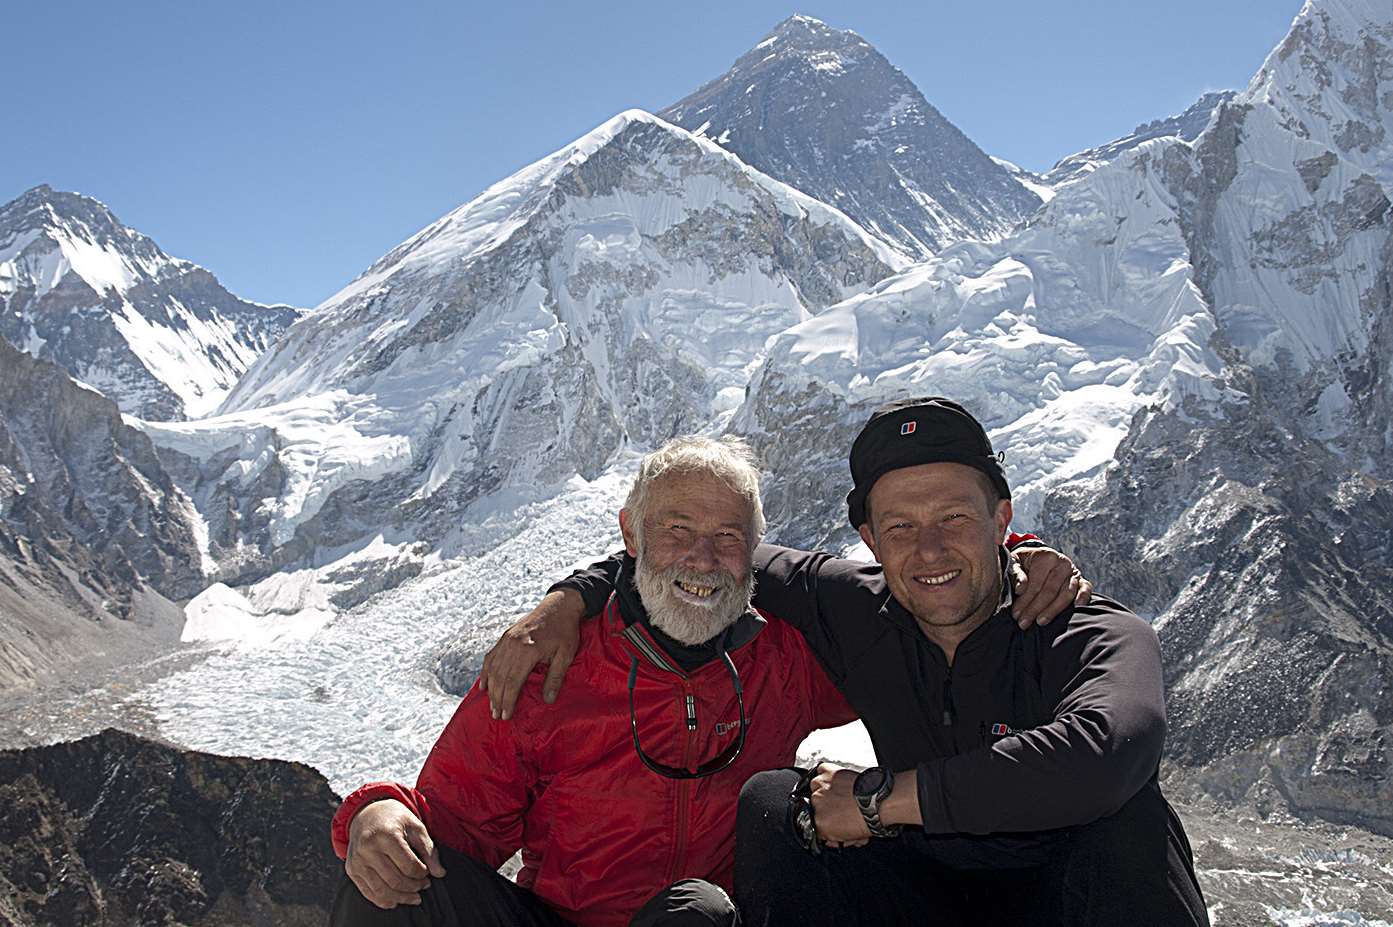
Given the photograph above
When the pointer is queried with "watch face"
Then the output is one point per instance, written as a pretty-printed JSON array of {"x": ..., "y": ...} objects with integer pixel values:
[{"x": 869, "y": 782}]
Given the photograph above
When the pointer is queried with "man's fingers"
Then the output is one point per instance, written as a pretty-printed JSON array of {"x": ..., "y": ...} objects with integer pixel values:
[
  {"x": 375, "y": 889},
  {"x": 508, "y": 696},
  {"x": 1078, "y": 592},
  {"x": 1085, "y": 593},
  {"x": 411, "y": 871},
  {"x": 425, "y": 850},
  {"x": 1018, "y": 578},
  {"x": 556, "y": 672},
  {"x": 1047, "y": 584},
  {"x": 1063, "y": 600}
]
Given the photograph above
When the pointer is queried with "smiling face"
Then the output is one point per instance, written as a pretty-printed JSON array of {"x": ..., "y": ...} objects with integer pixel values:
[
  {"x": 693, "y": 550},
  {"x": 936, "y": 529}
]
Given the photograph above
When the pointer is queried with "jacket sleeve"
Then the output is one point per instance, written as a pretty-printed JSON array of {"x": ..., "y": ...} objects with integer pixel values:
[
  {"x": 472, "y": 792},
  {"x": 1103, "y": 744},
  {"x": 826, "y": 705},
  {"x": 594, "y": 583}
]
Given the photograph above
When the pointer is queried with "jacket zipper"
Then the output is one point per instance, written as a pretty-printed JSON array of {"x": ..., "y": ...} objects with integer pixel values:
[
  {"x": 684, "y": 787},
  {"x": 948, "y": 714}
]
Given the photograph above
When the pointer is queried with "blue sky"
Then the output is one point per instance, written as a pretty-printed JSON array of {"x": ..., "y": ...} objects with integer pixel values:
[{"x": 285, "y": 145}]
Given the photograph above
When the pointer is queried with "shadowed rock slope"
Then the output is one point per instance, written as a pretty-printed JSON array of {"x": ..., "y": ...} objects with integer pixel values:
[
  {"x": 116, "y": 830},
  {"x": 96, "y": 542}
]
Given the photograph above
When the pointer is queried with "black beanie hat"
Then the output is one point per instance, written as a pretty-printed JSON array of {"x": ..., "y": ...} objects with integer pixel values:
[{"x": 910, "y": 432}]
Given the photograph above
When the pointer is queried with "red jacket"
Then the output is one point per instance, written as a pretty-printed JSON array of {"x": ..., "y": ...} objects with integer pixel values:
[{"x": 600, "y": 833}]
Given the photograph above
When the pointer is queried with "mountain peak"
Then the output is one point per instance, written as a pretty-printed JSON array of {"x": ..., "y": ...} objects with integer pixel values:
[
  {"x": 1325, "y": 76},
  {"x": 799, "y": 26},
  {"x": 157, "y": 334},
  {"x": 798, "y": 37},
  {"x": 823, "y": 111}
]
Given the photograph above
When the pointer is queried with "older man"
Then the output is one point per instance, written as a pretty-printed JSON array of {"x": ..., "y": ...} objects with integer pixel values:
[
  {"x": 1018, "y": 776},
  {"x": 679, "y": 693}
]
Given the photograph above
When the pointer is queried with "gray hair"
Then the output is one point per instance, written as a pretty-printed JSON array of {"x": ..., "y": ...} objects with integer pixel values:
[{"x": 729, "y": 459}]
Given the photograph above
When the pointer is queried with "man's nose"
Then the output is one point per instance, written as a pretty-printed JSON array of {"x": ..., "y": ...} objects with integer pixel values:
[
  {"x": 701, "y": 556},
  {"x": 930, "y": 542}
]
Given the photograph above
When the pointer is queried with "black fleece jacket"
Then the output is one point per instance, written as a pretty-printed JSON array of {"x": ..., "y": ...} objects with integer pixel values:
[{"x": 1027, "y": 731}]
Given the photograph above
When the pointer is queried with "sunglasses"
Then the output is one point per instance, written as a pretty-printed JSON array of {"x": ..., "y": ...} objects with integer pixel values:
[{"x": 710, "y": 767}]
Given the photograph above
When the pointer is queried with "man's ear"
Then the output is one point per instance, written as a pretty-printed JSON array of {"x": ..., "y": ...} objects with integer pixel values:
[
  {"x": 1003, "y": 519},
  {"x": 869, "y": 539},
  {"x": 626, "y": 529}
]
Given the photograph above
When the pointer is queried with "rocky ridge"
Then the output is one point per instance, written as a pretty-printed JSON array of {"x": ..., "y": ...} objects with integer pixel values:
[
  {"x": 875, "y": 148},
  {"x": 157, "y": 334},
  {"x": 114, "y": 830},
  {"x": 1187, "y": 126}
]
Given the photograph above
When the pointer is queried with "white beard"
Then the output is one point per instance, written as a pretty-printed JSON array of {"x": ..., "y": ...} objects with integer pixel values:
[{"x": 690, "y": 622}]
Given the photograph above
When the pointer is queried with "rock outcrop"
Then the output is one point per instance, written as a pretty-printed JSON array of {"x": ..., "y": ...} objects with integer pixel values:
[{"x": 117, "y": 831}]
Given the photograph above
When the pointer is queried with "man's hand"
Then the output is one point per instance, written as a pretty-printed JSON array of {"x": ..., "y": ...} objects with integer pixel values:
[
  {"x": 838, "y": 817},
  {"x": 549, "y": 634},
  {"x": 1045, "y": 583},
  {"x": 390, "y": 854}
]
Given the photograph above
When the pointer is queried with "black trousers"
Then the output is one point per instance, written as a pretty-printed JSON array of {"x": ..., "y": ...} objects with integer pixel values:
[
  {"x": 473, "y": 895},
  {"x": 1133, "y": 868}
]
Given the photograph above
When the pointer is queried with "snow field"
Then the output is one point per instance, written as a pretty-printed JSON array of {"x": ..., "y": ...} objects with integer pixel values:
[{"x": 357, "y": 699}]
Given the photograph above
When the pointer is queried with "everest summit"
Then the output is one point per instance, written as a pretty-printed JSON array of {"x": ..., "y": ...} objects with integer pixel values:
[
  {"x": 157, "y": 334},
  {"x": 821, "y": 110}
]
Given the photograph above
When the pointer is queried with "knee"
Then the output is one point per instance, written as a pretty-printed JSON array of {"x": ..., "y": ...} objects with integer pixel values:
[
  {"x": 689, "y": 903},
  {"x": 765, "y": 794}
]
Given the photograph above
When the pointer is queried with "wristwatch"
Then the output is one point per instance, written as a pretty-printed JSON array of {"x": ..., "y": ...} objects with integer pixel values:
[{"x": 870, "y": 789}]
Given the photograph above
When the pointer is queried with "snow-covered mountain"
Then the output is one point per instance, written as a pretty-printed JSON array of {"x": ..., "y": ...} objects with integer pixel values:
[
  {"x": 1187, "y": 125},
  {"x": 157, "y": 334},
  {"x": 821, "y": 110},
  {"x": 615, "y": 293},
  {"x": 1185, "y": 358},
  {"x": 1184, "y": 355}
]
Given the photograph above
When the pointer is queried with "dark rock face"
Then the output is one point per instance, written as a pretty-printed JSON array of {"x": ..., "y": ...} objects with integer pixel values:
[
  {"x": 160, "y": 336},
  {"x": 92, "y": 529},
  {"x": 1263, "y": 560},
  {"x": 821, "y": 110},
  {"x": 116, "y": 830}
]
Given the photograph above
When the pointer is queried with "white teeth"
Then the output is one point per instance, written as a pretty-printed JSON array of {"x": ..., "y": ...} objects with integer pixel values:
[{"x": 937, "y": 580}]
